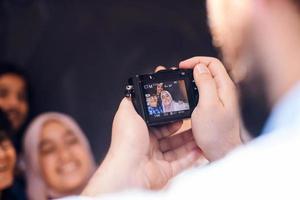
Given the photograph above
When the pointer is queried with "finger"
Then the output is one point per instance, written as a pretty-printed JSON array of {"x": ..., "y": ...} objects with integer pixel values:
[
  {"x": 160, "y": 68},
  {"x": 167, "y": 130},
  {"x": 206, "y": 86},
  {"x": 224, "y": 84},
  {"x": 185, "y": 162},
  {"x": 180, "y": 151},
  {"x": 192, "y": 62},
  {"x": 215, "y": 66},
  {"x": 175, "y": 141},
  {"x": 132, "y": 123}
]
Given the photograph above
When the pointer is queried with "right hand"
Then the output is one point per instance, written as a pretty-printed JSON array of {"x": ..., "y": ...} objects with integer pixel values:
[{"x": 216, "y": 119}]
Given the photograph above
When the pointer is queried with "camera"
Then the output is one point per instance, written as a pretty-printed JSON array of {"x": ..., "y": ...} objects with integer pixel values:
[{"x": 163, "y": 97}]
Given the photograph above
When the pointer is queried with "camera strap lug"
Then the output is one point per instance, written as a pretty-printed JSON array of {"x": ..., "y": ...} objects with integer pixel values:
[{"x": 129, "y": 91}]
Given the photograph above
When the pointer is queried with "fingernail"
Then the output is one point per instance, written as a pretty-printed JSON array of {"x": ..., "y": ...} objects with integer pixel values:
[{"x": 202, "y": 69}]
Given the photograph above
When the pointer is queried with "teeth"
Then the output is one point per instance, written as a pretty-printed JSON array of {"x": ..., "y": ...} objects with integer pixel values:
[{"x": 69, "y": 167}]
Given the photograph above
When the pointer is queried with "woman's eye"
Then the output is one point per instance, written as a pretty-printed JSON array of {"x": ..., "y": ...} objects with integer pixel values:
[
  {"x": 71, "y": 140},
  {"x": 47, "y": 149},
  {"x": 22, "y": 96}
]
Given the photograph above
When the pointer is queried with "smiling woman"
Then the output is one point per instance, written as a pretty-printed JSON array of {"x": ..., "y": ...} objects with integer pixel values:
[
  {"x": 58, "y": 157},
  {"x": 7, "y": 161},
  {"x": 7, "y": 156}
]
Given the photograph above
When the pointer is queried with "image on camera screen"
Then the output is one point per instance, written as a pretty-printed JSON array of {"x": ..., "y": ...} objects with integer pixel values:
[{"x": 166, "y": 99}]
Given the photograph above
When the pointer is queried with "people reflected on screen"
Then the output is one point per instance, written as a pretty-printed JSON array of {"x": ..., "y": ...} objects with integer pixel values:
[
  {"x": 154, "y": 107},
  {"x": 165, "y": 99}
]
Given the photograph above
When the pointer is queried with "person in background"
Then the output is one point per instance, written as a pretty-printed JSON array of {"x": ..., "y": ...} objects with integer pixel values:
[
  {"x": 7, "y": 162},
  {"x": 14, "y": 99},
  {"x": 58, "y": 157},
  {"x": 15, "y": 103}
]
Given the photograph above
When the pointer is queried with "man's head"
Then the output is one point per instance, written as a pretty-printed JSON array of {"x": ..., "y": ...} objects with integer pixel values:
[
  {"x": 256, "y": 37},
  {"x": 14, "y": 94}
]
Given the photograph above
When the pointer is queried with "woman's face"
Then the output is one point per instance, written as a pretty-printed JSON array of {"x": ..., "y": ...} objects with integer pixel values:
[
  {"x": 63, "y": 159},
  {"x": 7, "y": 163},
  {"x": 159, "y": 88},
  {"x": 166, "y": 99}
]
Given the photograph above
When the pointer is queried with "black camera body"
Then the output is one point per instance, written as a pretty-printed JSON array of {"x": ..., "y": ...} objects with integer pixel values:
[{"x": 163, "y": 97}]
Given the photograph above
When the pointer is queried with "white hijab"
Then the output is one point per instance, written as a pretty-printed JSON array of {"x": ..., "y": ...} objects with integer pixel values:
[{"x": 37, "y": 189}]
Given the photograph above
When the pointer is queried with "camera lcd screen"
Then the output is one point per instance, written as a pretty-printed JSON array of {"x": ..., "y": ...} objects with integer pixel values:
[{"x": 166, "y": 99}]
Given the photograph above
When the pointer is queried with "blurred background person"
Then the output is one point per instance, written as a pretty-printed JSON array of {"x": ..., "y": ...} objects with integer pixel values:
[
  {"x": 9, "y": 188},
  {"x": 7, "y": 164},
  {"x": 14, "y": 101},
  {"x": 58, "y": 157},
  {"x": 14, "y": 93}
]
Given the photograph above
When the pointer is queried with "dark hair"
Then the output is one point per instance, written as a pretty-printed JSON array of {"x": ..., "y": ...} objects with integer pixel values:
[
  {"x": 9, "y": 68},
  {"x": 5, "y": 127}
]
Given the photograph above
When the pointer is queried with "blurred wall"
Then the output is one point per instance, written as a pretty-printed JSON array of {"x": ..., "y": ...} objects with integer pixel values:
[{"x": 80, "y": 53}]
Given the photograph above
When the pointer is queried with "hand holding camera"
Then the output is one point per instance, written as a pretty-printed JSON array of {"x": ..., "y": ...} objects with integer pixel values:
[
  {"x": 140, "y": 157},
  {"x": 145, "y": 155},
  {"x": 163, "y": 97},
  {"x": 206, "y": 94},
  {"x": 216, "y": 118}
]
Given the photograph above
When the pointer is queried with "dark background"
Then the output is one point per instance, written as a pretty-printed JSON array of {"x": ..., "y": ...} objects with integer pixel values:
[{"x": 80, "y": 53}]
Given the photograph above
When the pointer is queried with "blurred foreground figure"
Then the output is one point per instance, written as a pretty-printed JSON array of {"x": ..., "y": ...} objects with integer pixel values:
[
  {"x": 260, "y": 43},
  {"x": 58, "y": 157}
]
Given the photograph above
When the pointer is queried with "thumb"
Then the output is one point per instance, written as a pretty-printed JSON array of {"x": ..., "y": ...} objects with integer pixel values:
[
  {"x": 130, "y": 135},
  {"x": 127, "y": 119},
  {"x": 206, "y": 85},
  {"x": 126, "y": 114},
  {"x": 126, "y": 107}
]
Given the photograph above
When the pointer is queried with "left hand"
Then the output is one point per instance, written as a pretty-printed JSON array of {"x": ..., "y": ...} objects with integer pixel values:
[{"x": 140, "y": 157}]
